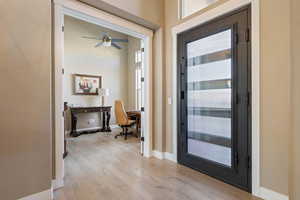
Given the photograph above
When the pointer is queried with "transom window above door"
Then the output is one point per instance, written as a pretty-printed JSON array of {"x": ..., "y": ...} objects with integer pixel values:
[{"x": 189, "y": 7}]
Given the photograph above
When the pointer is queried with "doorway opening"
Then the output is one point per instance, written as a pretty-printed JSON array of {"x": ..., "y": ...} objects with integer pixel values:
[
  {"x": 101, "y": 68},
  {"x": 93, "y": 85},
  {"x": 214, "y": 106}
]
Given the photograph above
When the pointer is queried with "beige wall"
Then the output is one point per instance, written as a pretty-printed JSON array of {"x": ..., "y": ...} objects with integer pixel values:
[
  {"x": 150, "y": 10},
  {"x": 295, "y": 167},
  {"x": 25, "y": 71},
  {"x": 158, "y": 91},
  {"x": 81, "y": 57},
  {"x": 275, "y": 97}
]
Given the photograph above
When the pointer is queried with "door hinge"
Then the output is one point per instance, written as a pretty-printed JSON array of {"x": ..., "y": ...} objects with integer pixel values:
[
  {"x": 248, "y": 98},
  {"x": 63, "y": 114},
  {"x": 142, "y": 109},
  {"x": 143, "y": 139},
  {"x": 182, "y": 95},
  {"x": 63, "y": 71},
  {"x": 142, "y": 79},
  {"x": 248, "y": 162},
  {"x": 143, "y": 49},
  {"x": 236, "y": 158},
  {"x": 63, "y": 28},
  {"x": 247, "y": 35},
  {"x": 181, "y": 69},
  {"x": 184, "y": 62},
  {"x": 237, "y": 99}
]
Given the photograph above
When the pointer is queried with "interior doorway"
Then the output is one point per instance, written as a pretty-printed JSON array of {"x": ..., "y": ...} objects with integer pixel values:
[
  {"x": 83, "y": 12},
  {"x": 101, "y": 67},
  {"x": 214, "y": 134}
]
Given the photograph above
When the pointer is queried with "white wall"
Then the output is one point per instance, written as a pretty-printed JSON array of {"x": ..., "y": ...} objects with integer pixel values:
[{"x": 82, "y": 58}]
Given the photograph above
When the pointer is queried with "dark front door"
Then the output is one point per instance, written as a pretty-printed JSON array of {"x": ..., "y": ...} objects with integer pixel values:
[{"x": 214, "y": 98}]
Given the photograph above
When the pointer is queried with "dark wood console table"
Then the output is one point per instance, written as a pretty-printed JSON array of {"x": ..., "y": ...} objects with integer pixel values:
[{"x": 105, "y": 110}]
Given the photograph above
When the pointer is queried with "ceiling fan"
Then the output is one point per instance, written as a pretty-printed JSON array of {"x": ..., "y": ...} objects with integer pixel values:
[{"x": 106, "y": 40}]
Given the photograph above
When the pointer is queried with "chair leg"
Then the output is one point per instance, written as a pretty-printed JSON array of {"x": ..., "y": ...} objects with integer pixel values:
[
  {"x": 121, "y": 133},
  {"x": 124, "y": 133}
]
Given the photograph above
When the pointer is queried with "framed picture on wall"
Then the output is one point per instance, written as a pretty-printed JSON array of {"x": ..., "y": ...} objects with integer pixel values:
[{"x": 86, "y": 84}]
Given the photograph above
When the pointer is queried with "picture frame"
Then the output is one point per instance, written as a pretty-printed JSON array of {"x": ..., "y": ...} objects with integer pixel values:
[{"x": 84, "y": 84}]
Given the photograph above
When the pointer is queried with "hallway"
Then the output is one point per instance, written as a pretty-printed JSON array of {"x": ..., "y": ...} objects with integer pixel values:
[{"x": 100, "y": 167}]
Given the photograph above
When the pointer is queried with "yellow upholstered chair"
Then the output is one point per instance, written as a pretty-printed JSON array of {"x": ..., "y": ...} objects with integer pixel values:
[{"x": 122, "y": 119}]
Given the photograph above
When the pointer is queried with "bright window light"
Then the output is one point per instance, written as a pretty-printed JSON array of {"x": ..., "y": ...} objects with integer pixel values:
[{"x": 188, "y": 7}]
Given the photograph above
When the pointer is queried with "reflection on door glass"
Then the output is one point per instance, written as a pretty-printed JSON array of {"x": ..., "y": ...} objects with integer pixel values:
[{"x": 209, "y": 98}]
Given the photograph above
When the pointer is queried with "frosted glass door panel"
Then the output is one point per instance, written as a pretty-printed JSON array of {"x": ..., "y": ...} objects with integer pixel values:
[
  {"x": 216, "y": 153},
  {"x": 214, "y": 125},
  {"x": 209, "y": 95},
  {"x": 203, "y": 98},
  {"x": 213, "y": 71}
]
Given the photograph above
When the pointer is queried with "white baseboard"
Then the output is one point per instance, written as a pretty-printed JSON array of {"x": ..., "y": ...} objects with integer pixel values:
[
  {"x": 158, "y": 154},
  {"x": 170, "y": 156},
  {"x": 164, "y": 155},
  {"x": 51, "y": 194},
  {"x": 87, "y": 129},
  {"x": 57, "y": 183},
  {"x": 268, "y": 194},
  {"x": 45, "y": 195}
]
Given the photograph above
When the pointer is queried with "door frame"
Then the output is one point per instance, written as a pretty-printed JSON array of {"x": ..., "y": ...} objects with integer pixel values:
[
  {"x": 214, "y": 13},
  {"x": 92, "y": 15},
  {"x": 229, "y": 174}
]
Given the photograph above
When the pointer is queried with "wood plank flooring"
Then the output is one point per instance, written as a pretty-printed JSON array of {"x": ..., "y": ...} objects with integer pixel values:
[{"x": 101, "y": 167}]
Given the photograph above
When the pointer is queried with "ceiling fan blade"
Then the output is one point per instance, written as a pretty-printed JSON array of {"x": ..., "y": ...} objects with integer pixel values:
[
  {"x": 102, "y": 34},
  {"x": 115, "y": 45},
  {"x": 119, "y": 40},
  {"x": 99, "y": 44},
  {"x": 92, "y": 38}
]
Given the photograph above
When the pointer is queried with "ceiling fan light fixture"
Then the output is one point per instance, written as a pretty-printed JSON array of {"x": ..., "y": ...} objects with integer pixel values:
[
  {"x": 107, "y": 41},
  {"x": 106, "y": 44}
]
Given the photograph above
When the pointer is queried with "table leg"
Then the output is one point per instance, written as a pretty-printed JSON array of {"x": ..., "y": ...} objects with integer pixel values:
[
  {"x": 74, "y": 126},
  {"x": 103, "y": 122},
  {"x": 65, "y": 148},
  {"x": 107, "y": 121}
]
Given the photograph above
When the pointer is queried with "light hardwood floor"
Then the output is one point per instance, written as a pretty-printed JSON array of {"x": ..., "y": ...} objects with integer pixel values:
[{"x": 101, "y": 167}]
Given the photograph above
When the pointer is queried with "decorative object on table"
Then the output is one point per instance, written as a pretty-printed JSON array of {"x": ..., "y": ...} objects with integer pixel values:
[
  {"x": 103, "y": 92},
  {"x": 86, "y": 84},
  {"x": 106, "y": 40}
]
